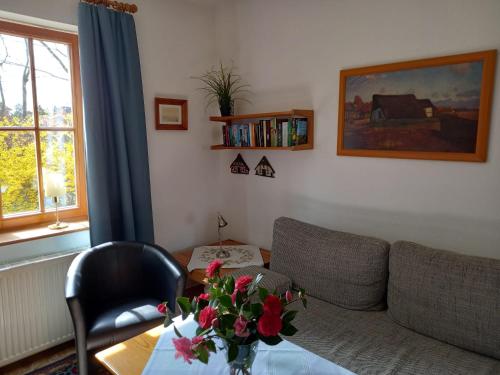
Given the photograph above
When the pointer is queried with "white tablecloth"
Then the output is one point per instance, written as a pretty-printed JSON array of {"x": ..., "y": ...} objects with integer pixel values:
[
  {"x": 285, "y": 358},
  {"x": 241, "y": 256}
]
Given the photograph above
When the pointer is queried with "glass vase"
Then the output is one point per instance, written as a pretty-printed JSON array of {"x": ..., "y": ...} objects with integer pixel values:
[{"x": 242, "y": 365}]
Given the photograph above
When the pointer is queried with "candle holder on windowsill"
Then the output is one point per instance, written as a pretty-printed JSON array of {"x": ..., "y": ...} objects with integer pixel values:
[
  {"x": 54, "y": 188},
  {"x": 58, "y": 224}
]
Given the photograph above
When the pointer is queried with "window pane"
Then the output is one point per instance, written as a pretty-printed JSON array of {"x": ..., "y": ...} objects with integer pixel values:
[
  {"x": 58, "y": 156},
  {"x": 18, "y": 172},
  {"x": 16, "y": 99},
  {"x": 53, "y": 84}
]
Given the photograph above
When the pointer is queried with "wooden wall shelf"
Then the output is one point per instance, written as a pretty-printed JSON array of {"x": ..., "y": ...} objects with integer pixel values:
[{"x": 294, "y": 113}]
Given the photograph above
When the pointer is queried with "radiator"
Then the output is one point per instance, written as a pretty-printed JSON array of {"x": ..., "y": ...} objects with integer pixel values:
[{"x": 33, "y": 311}]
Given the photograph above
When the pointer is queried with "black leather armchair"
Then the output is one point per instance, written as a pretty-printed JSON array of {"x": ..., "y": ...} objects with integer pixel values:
[{"x": 112, "y": 291}]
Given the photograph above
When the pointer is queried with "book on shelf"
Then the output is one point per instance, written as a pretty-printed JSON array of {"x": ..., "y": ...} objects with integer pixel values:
[{"x": 274, "y": 132}]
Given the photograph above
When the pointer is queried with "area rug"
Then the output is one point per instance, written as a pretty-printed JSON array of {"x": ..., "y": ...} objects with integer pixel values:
[{"x": 64, "y": 366}]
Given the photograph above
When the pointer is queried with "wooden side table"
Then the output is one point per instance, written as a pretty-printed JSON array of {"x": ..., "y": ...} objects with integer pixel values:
[{"x": 197, "y": 279}]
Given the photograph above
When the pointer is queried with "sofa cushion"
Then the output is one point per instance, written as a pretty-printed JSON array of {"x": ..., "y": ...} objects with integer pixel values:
[
  {"x": 451, "y": 297},
  {"x": 369, "y": 342},
  {"x": 342, "y": 268},
  {"x": 270, "y": 280}
]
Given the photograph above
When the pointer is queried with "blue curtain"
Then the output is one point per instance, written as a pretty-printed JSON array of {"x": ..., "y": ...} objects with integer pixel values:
[{"x": 119, "y": 193}]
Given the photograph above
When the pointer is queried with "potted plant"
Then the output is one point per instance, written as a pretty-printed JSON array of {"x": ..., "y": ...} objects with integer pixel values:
[
  {"x": 234, "y": 316},
  {"x": 223, "y": 86}
]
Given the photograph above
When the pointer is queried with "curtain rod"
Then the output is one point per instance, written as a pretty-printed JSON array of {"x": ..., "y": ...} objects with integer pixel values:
[{"x": 116, "y": 5}]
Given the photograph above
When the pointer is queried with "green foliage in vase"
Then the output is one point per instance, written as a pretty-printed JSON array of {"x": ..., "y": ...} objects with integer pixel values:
[{"x": 223, "y": 86}]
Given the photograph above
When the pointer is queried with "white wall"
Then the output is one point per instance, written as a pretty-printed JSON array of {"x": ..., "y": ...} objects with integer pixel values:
[
  {"x": 176, "y": 41},
  {"x": 291, "y": 52}
]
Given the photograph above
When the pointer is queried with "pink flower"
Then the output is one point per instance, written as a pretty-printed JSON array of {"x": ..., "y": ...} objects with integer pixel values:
[
  {"x": 215, "y": 323},
  {"x": 288, "y": 296},
  {"x": 204, "y": 296},
  {"x": 183, "y": 349},
  {"x": 242, "y": 283},
  {"x": 196, "y": 340},
  {"x": 269, "y": 325},
  {"x": 162, "y": 308},
  {"x": 214, "y": 268},
  {"x": 240, "y": 327},
  {"x": 272, "y": 305},
  {"x": 233, "y": 297},
  {"x": 207, "y": 315}
]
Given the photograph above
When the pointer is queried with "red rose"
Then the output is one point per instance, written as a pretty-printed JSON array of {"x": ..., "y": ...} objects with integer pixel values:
[
  {"x": 204, "y": 296},
  {"x": 288, "y": 296},
  {"x": 214, "y": 267},
  {"x": 162, "y": 308},
  {"x": 272, "y": 305},
  {"x": 269, "y": 325},
  {"x": 242, "y": 283},
  {"x": 206, "y": 316}
]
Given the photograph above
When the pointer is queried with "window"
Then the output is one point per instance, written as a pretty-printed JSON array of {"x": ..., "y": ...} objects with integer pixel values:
[{"x": 40, "y": 124}]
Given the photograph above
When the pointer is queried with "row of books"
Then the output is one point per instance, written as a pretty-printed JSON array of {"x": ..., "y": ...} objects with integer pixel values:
[{"x": 267, "y": 133}]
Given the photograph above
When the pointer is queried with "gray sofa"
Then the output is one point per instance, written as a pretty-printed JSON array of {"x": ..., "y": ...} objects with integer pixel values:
[{"x": 374, "y": 308}]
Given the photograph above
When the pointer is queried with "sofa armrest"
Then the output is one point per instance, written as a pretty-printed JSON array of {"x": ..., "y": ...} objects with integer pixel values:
[{"x": 271, "y": 280}]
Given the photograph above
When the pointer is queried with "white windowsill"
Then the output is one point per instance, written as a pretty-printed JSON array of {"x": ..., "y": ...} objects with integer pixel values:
[{"x": 40, "y": 231}]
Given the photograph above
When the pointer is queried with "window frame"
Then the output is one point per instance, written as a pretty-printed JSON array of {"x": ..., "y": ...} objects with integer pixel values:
[{"x": 80, "y": 210}]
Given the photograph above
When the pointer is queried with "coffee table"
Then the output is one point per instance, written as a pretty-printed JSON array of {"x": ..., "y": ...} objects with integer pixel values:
[
  {"x": 131, "y": 356},
  {"x": 285, "y": 358}
]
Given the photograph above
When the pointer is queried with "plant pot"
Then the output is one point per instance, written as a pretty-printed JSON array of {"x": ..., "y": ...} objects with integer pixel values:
[
  {"x": 226, "y": 107},
  {"x": 242, "y": 365}
]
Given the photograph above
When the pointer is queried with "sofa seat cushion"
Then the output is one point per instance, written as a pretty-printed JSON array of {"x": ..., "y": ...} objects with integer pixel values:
[
  {"x": 345, "y": 269},
  {"x": 369, "y": 342},
  {"x": 451, "y": 297},
  {"x": 122, "y": 322},
  {"x": 270, "y": 280}
]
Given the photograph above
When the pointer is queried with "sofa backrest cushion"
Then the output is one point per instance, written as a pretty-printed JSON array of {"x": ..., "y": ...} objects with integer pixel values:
[
  {"x": 448, "y": 296},
  {"x": 345, "y": 269}
]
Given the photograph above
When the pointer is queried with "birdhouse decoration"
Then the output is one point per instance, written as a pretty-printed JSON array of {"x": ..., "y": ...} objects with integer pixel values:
[
  {"x": 264, "y": 169},
  {"x": 239, "y": 166}
]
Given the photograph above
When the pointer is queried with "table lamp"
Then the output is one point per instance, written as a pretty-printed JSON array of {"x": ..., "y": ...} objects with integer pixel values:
[
  {"x": 54, "y": 188},
  {"x": 221, "y": 223}
]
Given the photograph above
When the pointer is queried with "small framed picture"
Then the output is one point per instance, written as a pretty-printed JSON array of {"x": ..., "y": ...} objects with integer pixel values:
[{"x": 171, "y": 114}]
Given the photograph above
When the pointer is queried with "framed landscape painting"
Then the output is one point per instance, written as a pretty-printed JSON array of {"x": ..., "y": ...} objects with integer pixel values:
[{"x": 435, "y": 108}]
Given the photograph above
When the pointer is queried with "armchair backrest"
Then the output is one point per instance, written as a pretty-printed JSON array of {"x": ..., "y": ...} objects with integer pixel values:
[{"x": 116, "y": 272}]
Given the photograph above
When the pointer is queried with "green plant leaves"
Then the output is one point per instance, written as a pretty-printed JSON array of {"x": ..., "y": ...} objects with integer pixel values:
[
  {"x": 225, "y": 301},
  {"x": 184, "y": 305},
  {"x": 263, "y": 293},
  {"x": 232, "y": 352},
  {"x": 253, "y": 285},
  {"x": 210, "y": 346},
  {"x": 167, "y": 321},
  {"x": 288, "y": 330},
  {"x": 273, "y": 340},
  {"x": 202, "y": 354},
  {"x": 229, "y": 285},
  {"x": 256, "y": 309},
  {"x": 289, "y": 316}
]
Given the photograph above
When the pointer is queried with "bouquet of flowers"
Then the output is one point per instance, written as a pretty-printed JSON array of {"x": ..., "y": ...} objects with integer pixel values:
[{"x": 239, "y": 313}]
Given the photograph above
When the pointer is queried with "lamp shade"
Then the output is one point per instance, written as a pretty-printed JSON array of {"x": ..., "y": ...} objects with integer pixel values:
[{"x": 54, "y": 184}]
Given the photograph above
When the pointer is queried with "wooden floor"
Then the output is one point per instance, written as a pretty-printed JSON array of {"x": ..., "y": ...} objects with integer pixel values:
[{"x": 49, "y": 356}]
